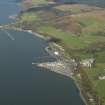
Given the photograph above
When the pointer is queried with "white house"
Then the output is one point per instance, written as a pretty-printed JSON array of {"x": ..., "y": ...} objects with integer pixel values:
[
  {"x": 87, "y": 62},
  {"x": 56, "y": 53},
  {"x": 101, "y": 77}
]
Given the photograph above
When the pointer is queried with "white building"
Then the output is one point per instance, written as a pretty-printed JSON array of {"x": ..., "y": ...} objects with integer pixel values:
[
  {"x": 101, "y": 77},
  {"x": 87, "y": 62},
  {"x": 56, "y": 53}
]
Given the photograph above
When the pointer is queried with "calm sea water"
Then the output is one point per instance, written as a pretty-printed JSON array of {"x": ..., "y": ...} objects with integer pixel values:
[{"x": 20, "y": 82}]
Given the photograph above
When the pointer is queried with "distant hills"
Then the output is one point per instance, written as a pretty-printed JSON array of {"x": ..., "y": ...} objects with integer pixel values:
[{"x": 100, "y": 3}]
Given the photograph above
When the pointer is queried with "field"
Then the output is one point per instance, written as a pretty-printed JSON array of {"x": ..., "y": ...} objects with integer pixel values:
[
  {"x": 31, "y": 17},
  {"x": 75, "y": 31},
  {"x": 39, "y": 1},
  {"x": 67, "y": 38},
  {"x": 94, "y": 74}
]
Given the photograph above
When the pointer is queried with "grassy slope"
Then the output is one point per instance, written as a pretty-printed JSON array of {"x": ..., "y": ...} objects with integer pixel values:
[
  {"x": 30, "y": 17},
  {"x": 67, "y": 38},
  {"x": 94, "y": 73},
  {"x": 91, "y": 27},
  {"x": 69, "y": 8}
]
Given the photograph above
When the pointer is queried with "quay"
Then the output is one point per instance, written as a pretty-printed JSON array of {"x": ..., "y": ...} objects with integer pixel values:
[{"x": 59, "y": 67}]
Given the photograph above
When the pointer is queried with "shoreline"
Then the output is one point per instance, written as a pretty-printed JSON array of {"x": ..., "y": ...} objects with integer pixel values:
[
  {"x": 28, "y": 31},
  {"x": 45, "y": 38},
  {"x": 71, "y": 77},
  {"x": 80, "y": 92}
]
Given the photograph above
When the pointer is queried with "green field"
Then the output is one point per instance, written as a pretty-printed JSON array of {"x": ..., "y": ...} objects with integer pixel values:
[
  {"x": 95, "y": 72},
  {"x": 69, "y": 8},
  {"x": 66, "y": 37},
  {"x": 31, "y": 17}
]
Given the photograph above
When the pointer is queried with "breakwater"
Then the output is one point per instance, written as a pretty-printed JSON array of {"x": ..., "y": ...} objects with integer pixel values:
[{"x": 57, "y": 67}]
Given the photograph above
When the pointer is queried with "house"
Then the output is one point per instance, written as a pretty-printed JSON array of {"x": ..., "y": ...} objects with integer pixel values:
[
  {"x": 87, "y": 62},
  {"x": 101, "y": 77},
  {"x": 56, "y": 53}
]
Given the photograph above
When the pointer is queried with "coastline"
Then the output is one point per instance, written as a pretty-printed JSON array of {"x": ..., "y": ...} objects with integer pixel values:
[
  {"x": 45, "y": 38},
  {"x": 29, "y": 31},
  {"x": 74, "y": 80},
  {"x": 80, "y": 92}
]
